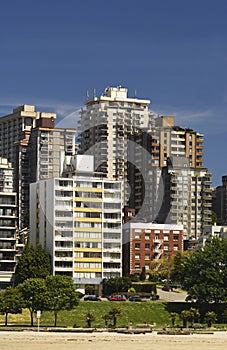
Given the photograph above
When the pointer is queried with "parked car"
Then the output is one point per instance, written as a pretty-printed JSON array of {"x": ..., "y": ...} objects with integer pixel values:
[
  {"x": 135, "y": 298},
  {"x": 117, "y": 297},
  {"x": 167, "y": 288},
  {"x": 91, "y": 298}
]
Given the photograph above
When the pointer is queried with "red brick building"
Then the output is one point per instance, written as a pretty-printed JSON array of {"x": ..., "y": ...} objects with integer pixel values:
[{"x": 144, "y": 242}]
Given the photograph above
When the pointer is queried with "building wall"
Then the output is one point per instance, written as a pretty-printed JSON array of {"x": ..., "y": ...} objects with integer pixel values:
[
  {"x": 219, "y": 201},
  {"x": 105, "y": 124},
  {"x": 8, "y": 224},
  {"x": 29, "y": 140},
  {"x": 146, "y": 242},
  {"x": 79, "y": 222}
]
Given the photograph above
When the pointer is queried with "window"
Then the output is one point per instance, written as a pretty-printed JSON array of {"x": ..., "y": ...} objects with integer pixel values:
[
  {"x": 175, "y": 247},
  {"x": 147, "y": 236},
  {"x": 137, "y": 236},
  {"x": 175, "y": 237},
  {"x": 147, "y": 256},
  {"x": 137, "y": 256},
  {"x": 137, "y": 245},
  {"x": 147, "y": 266},
  {"x": 166, "y": 237},
  {"x": 147, "y": 245},
  {"x": 166, "y": 247},
  {"x": 137, "y": 266}
]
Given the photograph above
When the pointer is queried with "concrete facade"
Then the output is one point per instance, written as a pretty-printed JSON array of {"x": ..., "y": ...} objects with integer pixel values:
[
  {"x": 79, "y": 222},
  {"x": 8, "y": 224},
  {"x": 36, "y": 149}
]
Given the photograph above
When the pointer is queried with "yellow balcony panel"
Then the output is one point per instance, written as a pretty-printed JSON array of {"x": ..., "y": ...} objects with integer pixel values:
[
  {"x": 82, "y": 239},
  {"x": 90, "y": 250},
  {"x": 88, "y": 219},
  {"x": 96, "y": 260},
  {"x": 89, "y": 210},
  {"x": 88, "y": 189},
  {"x": 87, "y": 229},
  {"x": 80, "y": 269},
  {"x": 80, "y": 199}
]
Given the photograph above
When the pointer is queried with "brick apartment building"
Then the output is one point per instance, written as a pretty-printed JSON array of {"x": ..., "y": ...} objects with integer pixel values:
[{"x": 144, "y": 242}]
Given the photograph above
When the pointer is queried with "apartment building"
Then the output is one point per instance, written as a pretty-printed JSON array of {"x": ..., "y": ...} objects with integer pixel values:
[
  {"x": 219, "y": 201},
  {"x": 170, "y": 183},
  {"x": 105, "y": 124},
  {"x": 36, "y": 149},
  {"x": 78, "y": 220},
  {"x": 8, "y": 224},
  {"x": 145, "y": 242},
  {"x": 186, "y": 197}
]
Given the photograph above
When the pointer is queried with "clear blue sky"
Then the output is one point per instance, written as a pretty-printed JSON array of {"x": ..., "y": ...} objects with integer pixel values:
[{"x": 173, "y": 52}]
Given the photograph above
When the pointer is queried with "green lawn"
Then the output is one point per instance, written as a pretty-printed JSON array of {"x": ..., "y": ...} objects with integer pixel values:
[{"x": 150, "y": 312}]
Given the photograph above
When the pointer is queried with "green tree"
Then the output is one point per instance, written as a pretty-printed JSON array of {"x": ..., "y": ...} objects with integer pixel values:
[
  {"x": 33, "y": 263},
  {"x": 61, "y": 294},
  {"x": 205, "y": 273},
  {"x": 194, "y": 315},
  {"x": 143, "y": 274},
  {"x": 185, "y": 316},
  {"x": 224, "y": 316},
  {"x": 114, "y": 313},
  {"x": 179, "y": 263},
  {"x": 173, "y": 316},
  {"x": 34, "y": 293},
  {"x": 89, "y": 318},
  {"x": 106, "y": 318},
  {"x": 11, "y": 302},
  {"x": 210, "y": 317},
  {"x": 114, "y": 285}
]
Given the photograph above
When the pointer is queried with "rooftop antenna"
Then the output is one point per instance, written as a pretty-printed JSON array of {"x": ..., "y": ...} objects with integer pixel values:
[
  {"x": 135, "y": 94},
  {"x": 87, "y": 94},
  {"x": 94, "y": 93}
]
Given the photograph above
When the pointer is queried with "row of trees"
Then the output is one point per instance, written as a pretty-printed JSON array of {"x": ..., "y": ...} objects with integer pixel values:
[
  {"x": 54, "y": 293},
  {"x": 111, "y": 316},
  {"x": 192, "y": 315}
]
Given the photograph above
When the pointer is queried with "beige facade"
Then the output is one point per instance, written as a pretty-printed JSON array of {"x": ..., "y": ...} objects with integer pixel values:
[{"x": 36, "y": 149}]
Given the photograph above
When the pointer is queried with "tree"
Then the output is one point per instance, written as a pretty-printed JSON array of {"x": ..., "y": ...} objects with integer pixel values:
[
  {"x": 143, "y": 274},
  {"x": 89, "y": 318},
  {"x": 33, "y": 263},
  {"x": 106, "y": 318},
  {"x": 11, "y": 302},
  {"x": 205, "y": 273},
  {"x": 173, "y": 316},
  {"x": 162, "y": 267},
  {"x": 179, "y": 263},
  {"x": 114, "y": 313},
  {"x": 210, "y": 317},
  {"x": 194, "y": 315},
  {"x": 114, "y": 285},
  {"x": 34, "y": 293},
  {"x": 224, "y": 316},
  {"x": 61, "y": 293},
  {"x": 185, "y": 316}
]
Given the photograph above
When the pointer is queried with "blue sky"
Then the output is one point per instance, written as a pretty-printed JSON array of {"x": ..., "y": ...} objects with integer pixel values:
[{"x": 173, "y": 52}]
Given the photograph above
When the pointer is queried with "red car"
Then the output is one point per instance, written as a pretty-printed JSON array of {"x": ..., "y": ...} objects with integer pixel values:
[{"x": 117, "y": 298}]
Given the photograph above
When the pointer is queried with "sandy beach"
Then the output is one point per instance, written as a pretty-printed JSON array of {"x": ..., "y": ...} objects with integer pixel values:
[{"x": 111, "y": 341}]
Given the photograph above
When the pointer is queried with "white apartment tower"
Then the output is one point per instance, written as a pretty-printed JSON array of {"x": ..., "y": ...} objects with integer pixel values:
[
  {"x": 78, "y": 220},
  {"x": 8, "y": 224}
]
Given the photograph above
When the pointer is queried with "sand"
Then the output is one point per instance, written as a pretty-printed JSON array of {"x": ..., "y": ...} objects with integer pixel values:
[{"x": 110, "y": 341}]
